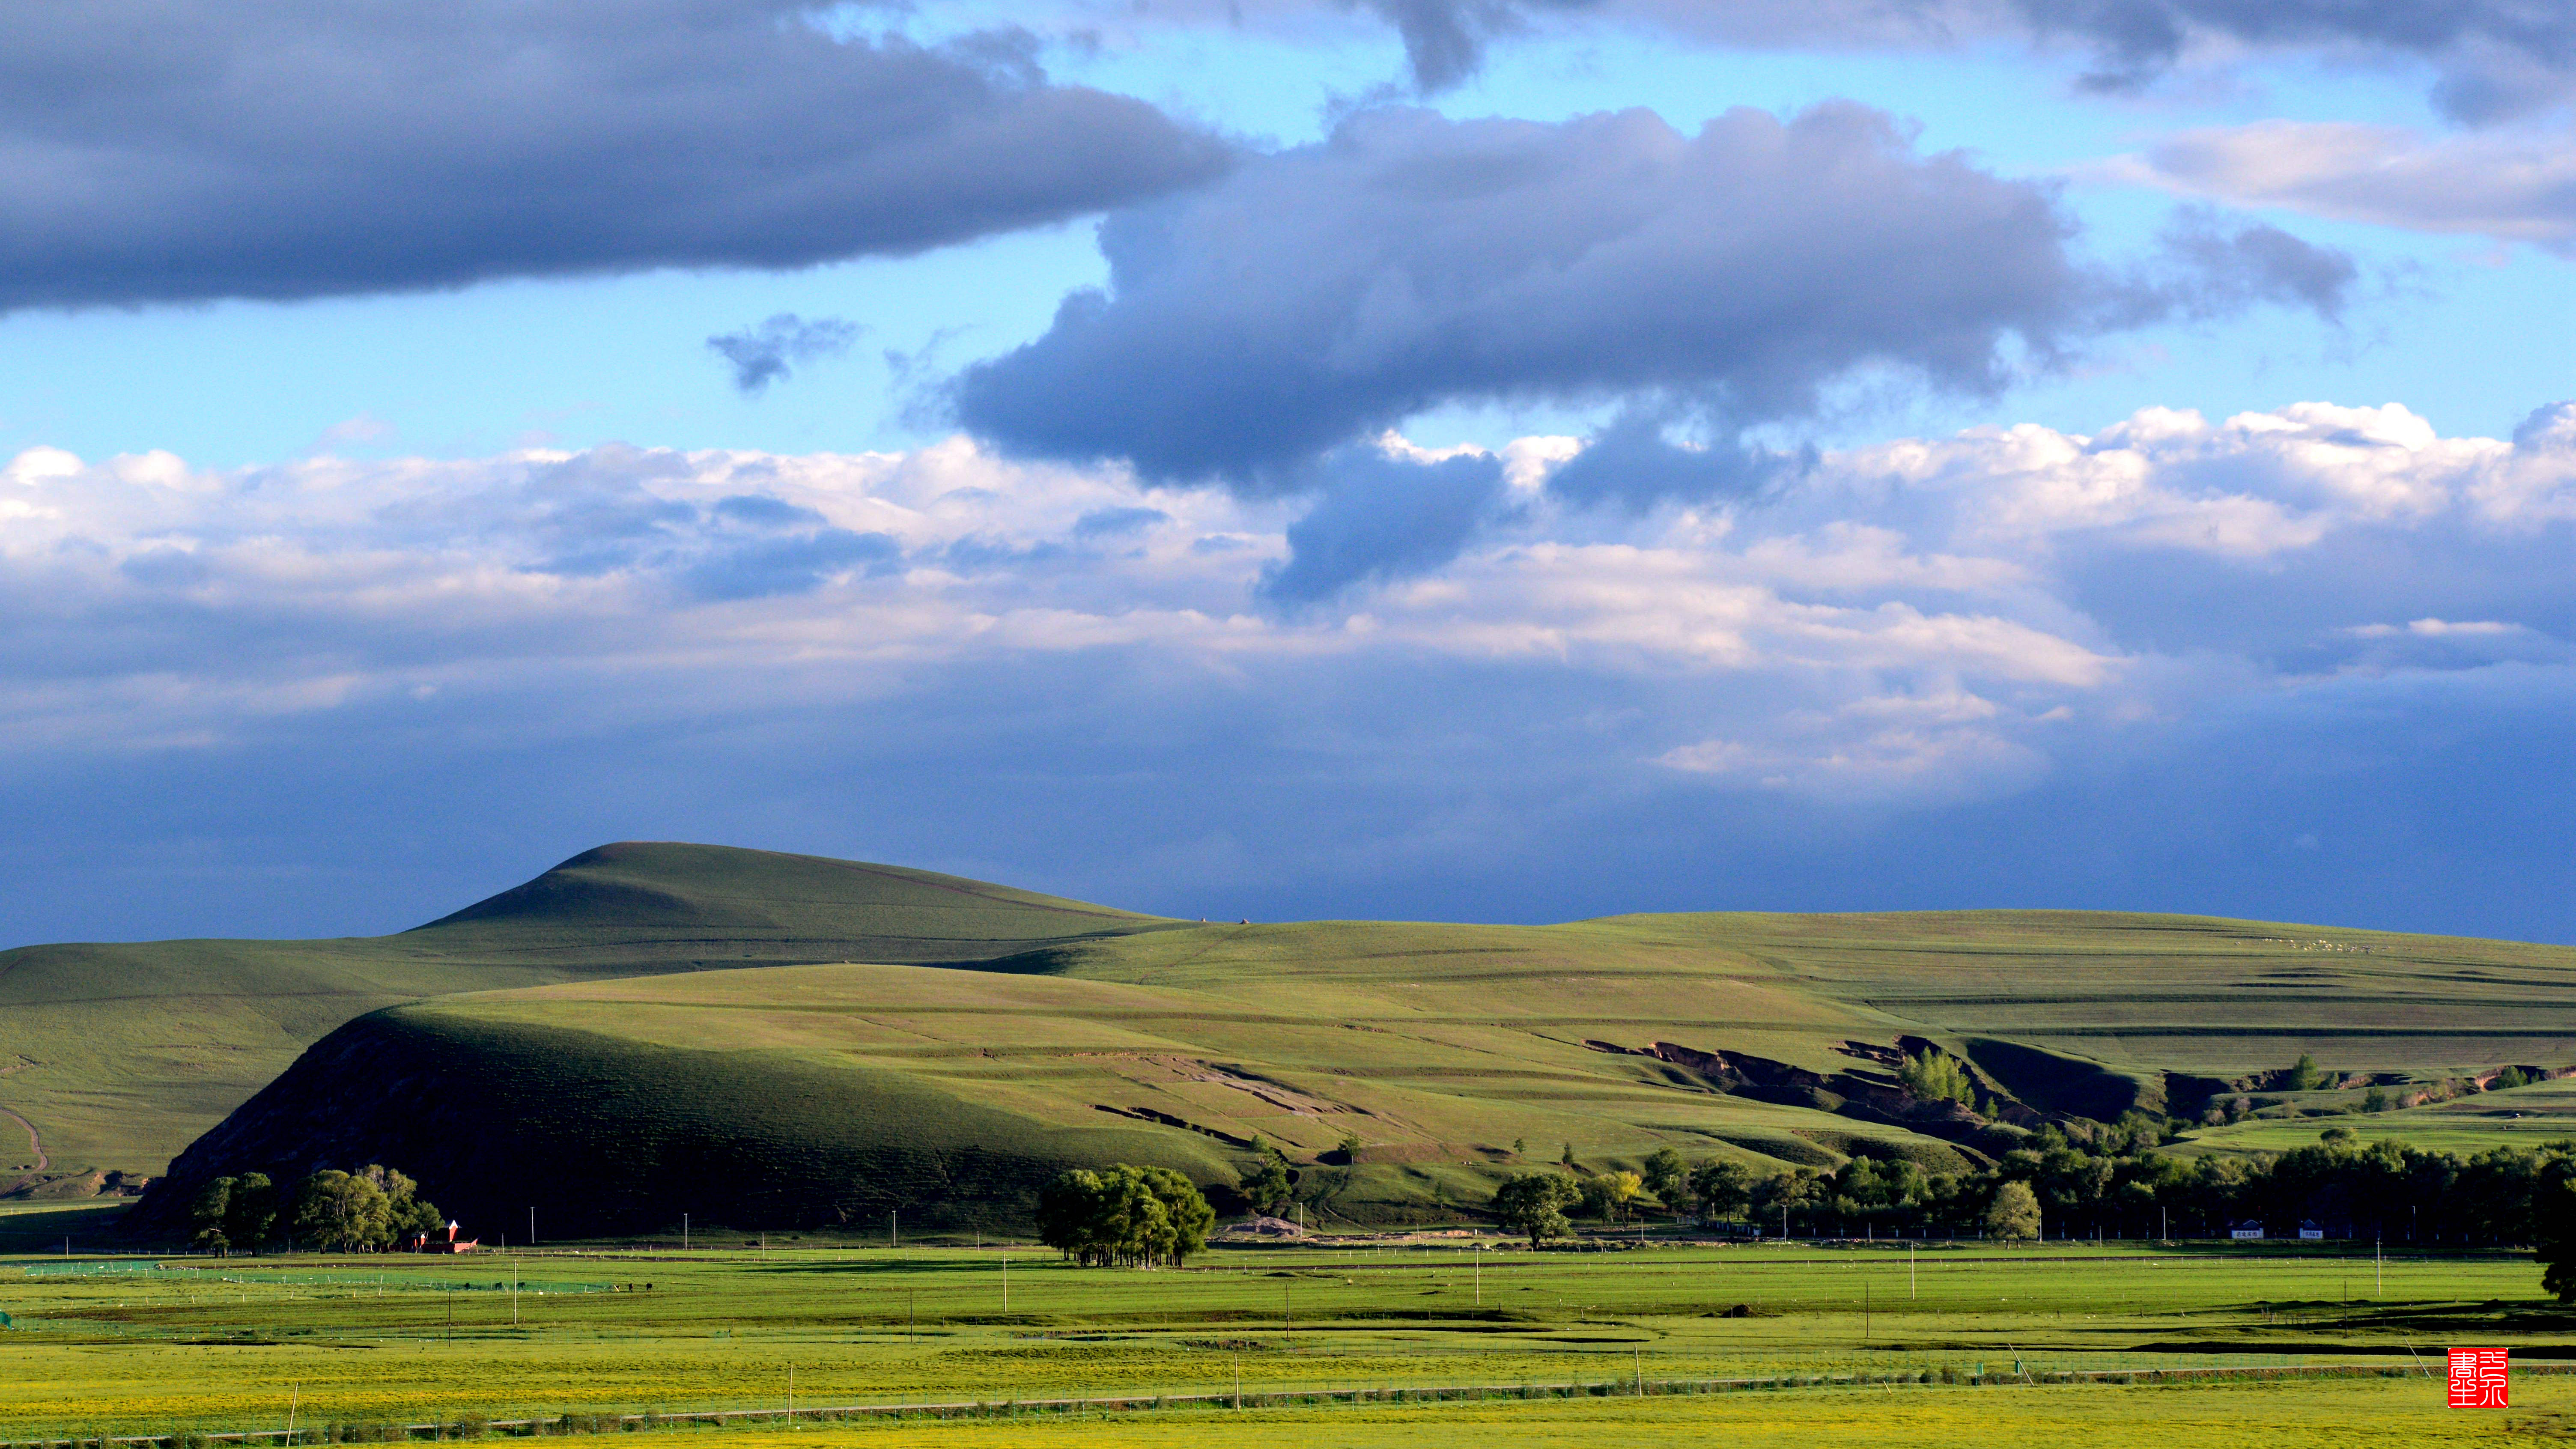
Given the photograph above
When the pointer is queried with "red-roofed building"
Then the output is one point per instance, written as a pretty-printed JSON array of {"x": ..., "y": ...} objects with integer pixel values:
[{"x": 432, "y": 1243}]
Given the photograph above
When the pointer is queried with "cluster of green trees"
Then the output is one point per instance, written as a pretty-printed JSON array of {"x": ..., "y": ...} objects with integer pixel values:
[
  {"x": 1124, "y": 1216},
  {"x": 355, "y": 1212},
  {"x": 1938, "y": 1077},
  {"x": 2105, "y": 1179}
]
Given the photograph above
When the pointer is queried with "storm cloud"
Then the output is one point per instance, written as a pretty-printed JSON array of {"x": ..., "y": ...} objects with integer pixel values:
[{"x": 158, "y": 151}]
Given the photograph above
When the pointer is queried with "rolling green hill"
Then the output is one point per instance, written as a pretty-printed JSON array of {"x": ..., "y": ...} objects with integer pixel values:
[
  {"x": 823, "y": 1094},
  {"x": 116, "y": 1056}
]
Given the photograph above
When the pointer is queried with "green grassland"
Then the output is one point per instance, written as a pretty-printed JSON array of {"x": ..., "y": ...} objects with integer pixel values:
[
  {"x": 408, "y": 1340},
  {"x": 805, "y": 1096},
  {"x": 786, "y": 1042},
  {"x": 120, "y": 1055},
  {"x": 2276, "y": 1416},
  {"x": 2523, "y": 1117}
]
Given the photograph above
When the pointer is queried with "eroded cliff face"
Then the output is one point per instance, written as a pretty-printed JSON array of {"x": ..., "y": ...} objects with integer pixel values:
[{"x": 2017, "y": 1087}]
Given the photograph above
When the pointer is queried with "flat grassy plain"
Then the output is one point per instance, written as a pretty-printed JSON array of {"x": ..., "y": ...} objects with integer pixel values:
[
  {"x": 389, "y": 1339},
  {"x": 2330, "y": 1416}
]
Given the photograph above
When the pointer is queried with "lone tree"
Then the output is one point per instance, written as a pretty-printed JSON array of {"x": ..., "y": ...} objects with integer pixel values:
[
  {"x": 2014, "y": 1213},
  {"x": 2303, "y": 1074},
  {"x": 1138, "y": 1217},
  {"x": 1534, "y": 1203},
  {"x": 1268, "y": 1183}
]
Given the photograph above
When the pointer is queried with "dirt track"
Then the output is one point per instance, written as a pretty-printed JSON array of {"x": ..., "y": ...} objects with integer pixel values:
[{"x": 33, "y": 1141}]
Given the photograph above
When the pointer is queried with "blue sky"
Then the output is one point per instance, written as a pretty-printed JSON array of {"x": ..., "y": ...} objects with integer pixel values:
[{"x": 1624, "y": 461}]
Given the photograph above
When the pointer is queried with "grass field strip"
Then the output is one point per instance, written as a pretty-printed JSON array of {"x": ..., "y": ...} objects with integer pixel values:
[
  {"x": 151, "y": 1357},
  {"x": 405, "y": 1282},
  {"x": 1237, "y": 1399}
]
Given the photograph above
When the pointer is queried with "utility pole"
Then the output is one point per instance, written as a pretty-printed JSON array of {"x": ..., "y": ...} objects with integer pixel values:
[
  {"x": 532, "y": 1227},
  {"x": 684, "y": 1232},
  {"x": 894, "y": 1227},
  {"x": 294, "y": 1398}
]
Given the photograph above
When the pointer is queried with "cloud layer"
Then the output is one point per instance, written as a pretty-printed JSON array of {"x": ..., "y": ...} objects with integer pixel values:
[
  {"x": 158, "y": 151},
  {"x": 1900, "y": 633}
]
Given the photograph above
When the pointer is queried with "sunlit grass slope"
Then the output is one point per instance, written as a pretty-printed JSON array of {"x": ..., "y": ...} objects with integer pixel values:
[
  {"x": 121, "y": 1054},
  {"x": 809, "y": 1095}
]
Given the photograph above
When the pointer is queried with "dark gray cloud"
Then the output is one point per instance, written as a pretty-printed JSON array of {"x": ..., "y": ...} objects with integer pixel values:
[
  {"x": 765, "y": 354},
  {"x": 1381, "y": 517},
  {"x": 161, "y": 151},
  {"x": 1319, "y": 296},
  {"x": 1327, "y": 293}
]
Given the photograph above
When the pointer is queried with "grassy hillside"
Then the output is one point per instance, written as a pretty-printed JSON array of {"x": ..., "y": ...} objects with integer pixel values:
[
  {"x": 807, "y": 1095},
  {"x": 119, "y": 1055}
]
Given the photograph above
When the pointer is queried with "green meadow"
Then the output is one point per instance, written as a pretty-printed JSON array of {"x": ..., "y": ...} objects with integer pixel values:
[
  {"x": 2523, "y": 1117},
  {"x": 785, "y": 1042},
  {"x": 217, "y": 1345}
]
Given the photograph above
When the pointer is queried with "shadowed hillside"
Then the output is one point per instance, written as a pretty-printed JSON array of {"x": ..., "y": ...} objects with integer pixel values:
[{"x": 119, "y": 1055}]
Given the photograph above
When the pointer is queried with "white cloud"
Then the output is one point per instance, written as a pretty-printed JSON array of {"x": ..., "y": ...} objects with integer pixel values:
[
  {"x": 1926, "y": 619},
  {"x": 2512, "y": 185}
]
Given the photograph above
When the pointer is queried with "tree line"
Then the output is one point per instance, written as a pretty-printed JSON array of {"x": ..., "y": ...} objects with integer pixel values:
[
  {"x": 2085, "y": 1180},
  {"x": 369, "y": 1210}
]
